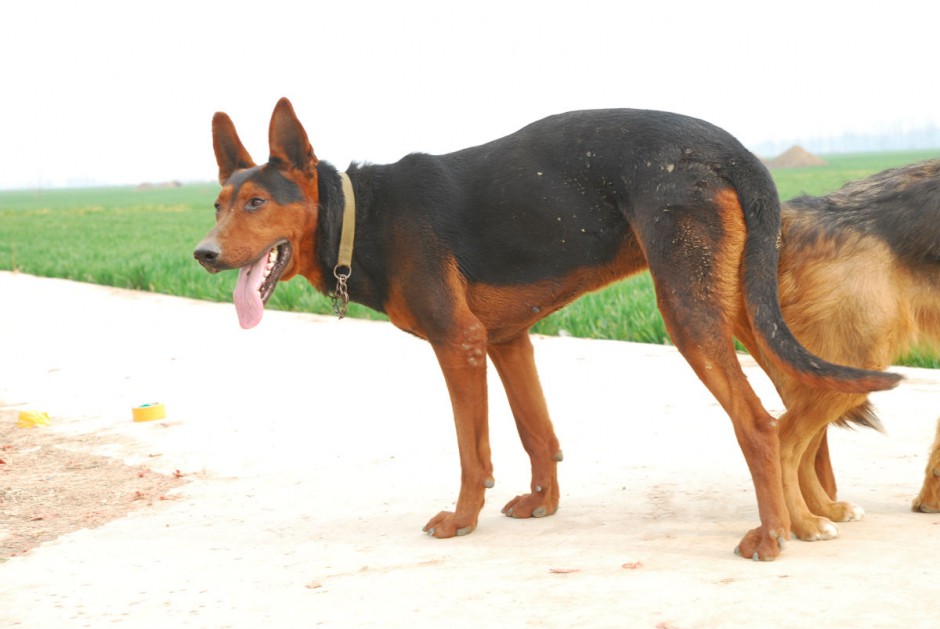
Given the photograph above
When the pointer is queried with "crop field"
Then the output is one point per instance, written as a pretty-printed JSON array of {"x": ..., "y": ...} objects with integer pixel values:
[{"x": 143, "y": 240}]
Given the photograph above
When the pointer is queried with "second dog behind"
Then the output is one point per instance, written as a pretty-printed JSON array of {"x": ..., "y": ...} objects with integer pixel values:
[{"x": 860, "y": 285}]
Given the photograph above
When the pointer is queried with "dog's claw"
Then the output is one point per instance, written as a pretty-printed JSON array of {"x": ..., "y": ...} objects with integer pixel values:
[
  {"x": 539, "y": 513},
  {"x": 464, "y": 531}
]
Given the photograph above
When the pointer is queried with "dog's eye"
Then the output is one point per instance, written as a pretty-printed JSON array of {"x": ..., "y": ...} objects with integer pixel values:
[
  {"x": 255, "y": 203},
  {"x": 218, "y": 207}
]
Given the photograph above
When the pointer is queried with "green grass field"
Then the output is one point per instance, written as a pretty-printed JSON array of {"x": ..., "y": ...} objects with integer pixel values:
[{"x": 143, "y": 239}]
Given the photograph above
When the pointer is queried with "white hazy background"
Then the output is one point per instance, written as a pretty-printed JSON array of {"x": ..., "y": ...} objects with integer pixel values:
[{"x": 123, "y": 92}]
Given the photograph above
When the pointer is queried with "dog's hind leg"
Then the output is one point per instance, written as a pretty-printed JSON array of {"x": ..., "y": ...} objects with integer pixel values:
[
  {"x": 694, "y": 254},
  {"x": 822, "y": 463},
  {"x": 800, "y": 430},
  {"x": 818, "y": 498},
  {"x": 709, "y": 349},
  {"x": 515, "y": 362},
  {"x": 801, "y": 436}
]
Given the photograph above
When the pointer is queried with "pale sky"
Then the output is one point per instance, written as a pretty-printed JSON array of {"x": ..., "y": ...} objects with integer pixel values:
[{"x": 123, "y": 92}]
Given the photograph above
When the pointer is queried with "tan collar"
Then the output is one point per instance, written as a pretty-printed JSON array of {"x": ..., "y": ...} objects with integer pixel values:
[{"x": 347, "y": 235}]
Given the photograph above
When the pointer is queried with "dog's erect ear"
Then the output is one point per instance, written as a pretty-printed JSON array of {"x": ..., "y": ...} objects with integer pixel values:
[
  {"x": 229, "y": 152},
  {"x": 288, "y": 140}
]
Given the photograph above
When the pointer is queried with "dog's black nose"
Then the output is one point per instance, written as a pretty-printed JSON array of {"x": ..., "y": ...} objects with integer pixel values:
[{"x": 208, "y": 253}]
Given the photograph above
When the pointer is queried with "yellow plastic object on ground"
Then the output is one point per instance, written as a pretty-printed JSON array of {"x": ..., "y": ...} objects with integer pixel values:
[
  {"x": 149, "y": 412},
  {"x": 31, "y": 419}
]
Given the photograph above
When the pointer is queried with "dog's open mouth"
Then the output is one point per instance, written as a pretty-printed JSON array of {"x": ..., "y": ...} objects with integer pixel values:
[{"x": 256, "y": 283}]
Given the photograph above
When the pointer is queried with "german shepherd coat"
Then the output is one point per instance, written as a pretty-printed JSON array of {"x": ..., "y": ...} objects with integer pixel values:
[
  {"x": 467, "y": 250},
  {"x": 928, "y": 500},
  {"x": 860, "y": 285}
]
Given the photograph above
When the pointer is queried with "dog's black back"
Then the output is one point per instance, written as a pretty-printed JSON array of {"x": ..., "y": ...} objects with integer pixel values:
[
  {"x": 569, "y": 186},
  {"x": 614, "y": 191}
]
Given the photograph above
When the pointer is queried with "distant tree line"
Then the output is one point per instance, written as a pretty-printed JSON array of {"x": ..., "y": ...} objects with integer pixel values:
[{"x": 858, "y": 142}]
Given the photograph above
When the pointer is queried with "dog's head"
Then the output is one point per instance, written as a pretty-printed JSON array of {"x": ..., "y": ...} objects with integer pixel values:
[{"x": 266, "y": 215}]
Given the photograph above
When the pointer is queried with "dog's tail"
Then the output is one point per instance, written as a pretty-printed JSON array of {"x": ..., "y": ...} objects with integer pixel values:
[
  {"x": 757, "y": 195},
  {"x": 862, "y": 416}
]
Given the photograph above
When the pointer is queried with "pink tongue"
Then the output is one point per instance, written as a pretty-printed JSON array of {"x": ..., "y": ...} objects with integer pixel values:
[{"x": 248, "y": 302}]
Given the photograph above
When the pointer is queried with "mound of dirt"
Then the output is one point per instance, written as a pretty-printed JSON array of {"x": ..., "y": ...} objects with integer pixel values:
[
  {"x": 159, "y": 186},
  {"x": 795, "y": 157}
]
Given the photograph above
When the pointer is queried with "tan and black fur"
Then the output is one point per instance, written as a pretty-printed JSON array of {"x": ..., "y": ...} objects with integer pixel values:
[
  {"x": 467, "y": 250},
  {"x": 928, "y": 500},
  {"x": 859, "y": 282}
]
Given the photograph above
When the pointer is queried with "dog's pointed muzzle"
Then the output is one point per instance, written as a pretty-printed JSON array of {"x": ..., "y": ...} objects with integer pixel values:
[{"x": 208, "y": 253}]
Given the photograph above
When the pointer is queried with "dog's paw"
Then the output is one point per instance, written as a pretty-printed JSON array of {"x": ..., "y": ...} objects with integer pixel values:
[
  {"x": 845, "y": 512},
  {"x": 923, "y": 507},
  {"x": 534, "y": 505},
  {"x": 814, "y": 528},
  {"x": 761, "y": 546},
  {"x": 446, "y": 524},
  {"x": 928, "y": 500}
]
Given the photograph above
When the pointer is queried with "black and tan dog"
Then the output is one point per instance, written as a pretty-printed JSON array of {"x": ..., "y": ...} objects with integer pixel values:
[
  {"x": 469, "y": 249},
  {"x": 860, "y": 285}
]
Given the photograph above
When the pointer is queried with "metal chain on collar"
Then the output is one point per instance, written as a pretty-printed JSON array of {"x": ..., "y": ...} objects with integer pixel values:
[{"x": 340, "y": 296}]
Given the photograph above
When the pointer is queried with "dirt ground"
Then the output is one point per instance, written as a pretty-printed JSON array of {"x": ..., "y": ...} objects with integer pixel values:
[
  {"x": 51, "y": 485},
  {"x": 298, "y": 461}
]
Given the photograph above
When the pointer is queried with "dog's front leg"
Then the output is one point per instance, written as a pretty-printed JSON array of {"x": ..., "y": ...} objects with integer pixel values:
[
  {"x": 463, "y": 361},
  {"x": 515, "y": 362}
]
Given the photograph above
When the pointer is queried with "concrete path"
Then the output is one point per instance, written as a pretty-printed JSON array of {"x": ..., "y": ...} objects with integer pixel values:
[{"x": 316, "y": 449}]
